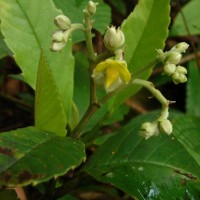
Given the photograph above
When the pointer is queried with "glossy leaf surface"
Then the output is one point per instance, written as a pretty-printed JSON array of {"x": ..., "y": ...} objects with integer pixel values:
[
  {"x": 32, "y": 156},
  {"x": 156, "y": 168},
  {"x": 27, "y": 27}
]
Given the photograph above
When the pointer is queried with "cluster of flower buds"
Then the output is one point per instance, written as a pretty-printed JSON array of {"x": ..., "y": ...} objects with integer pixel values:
[
  {"x": 149, "y": 129},
  {"x": 171, "y": 59},
  {"x": 60, "y": 37}
]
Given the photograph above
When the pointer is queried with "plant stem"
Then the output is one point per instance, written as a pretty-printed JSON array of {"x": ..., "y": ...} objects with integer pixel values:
[
  {"x": 88, "y": 36},
  {"x": 157, "y": 94},
  {"x": 91, "y": 54},
  {"x": 91, "y": 109}
]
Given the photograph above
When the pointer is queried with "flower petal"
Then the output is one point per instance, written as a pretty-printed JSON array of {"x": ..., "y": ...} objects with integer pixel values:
[{"x": 111, "y": 76}]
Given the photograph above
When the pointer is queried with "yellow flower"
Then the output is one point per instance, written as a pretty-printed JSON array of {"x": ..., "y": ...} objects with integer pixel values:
[{"x": 111, "y": 74}]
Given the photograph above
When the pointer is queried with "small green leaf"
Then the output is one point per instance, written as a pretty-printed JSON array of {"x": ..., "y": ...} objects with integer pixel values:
[
  {"x": 49, "y": 110},
  {"x": 32, "y": 156},
  {"x": 27, "y": 27},
  {"x": 74, "y": 10},
  {"x": 193, "y": 88},
  {"x": 158, "y": 168},
  {"x": 143, "y": 37},
  {"x": 191, "y": 15}
]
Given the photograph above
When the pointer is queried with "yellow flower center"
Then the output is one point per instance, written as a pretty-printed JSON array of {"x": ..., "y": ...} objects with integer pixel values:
[{"x": 114, "y": 69}]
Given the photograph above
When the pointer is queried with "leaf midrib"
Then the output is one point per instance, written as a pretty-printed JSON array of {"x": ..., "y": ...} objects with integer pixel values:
[
  {"x": 27, "y": 152},
  {"x": 29, "y": 22},
  {"x": 146, "y": 163}
]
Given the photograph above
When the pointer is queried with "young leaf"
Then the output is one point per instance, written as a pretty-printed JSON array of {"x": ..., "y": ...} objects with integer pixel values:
[
  {"x": 74, "y": 10},
  {"x": 191, "y": 15},
  {"x": 27, "y": 27},
  {"x": 49, "y": 111},
  {"x": 193, "y": 88},
  {"x": 32, "y": 156},
  {"x": 143, "y": 37},
  {"x": 153, "y": 168}
]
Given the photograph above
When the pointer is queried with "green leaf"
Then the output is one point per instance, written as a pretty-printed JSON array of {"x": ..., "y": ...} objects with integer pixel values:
[
  {"x": 4, "y": 51},
  {"x": 74, "y": 10},
  {"x": 27, "y": 27},
  {"x": 191, "y": 16},
  {"x": 32, "y": 156},
  {"x": 143, "y": 37},
  {"x": 151, "y": 169},
  {"x": 49, "y": 111},
  {"x": 193, "y": 88}
]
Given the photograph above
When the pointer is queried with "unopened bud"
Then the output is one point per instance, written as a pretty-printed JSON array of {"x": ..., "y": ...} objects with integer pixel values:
[
  {"x": 166, "y": 126},
  {"x": 149, "y": 129},
  {"x": 57, "y": 46},
  {"x": 173, "y": 57},
  {"x": 179, "y": 78},
  {"x": 91, "y": 7},
  {"x": 62, "y": 22},
  {"x": 181, "y": 70},
  {"x": 181, "y": 47},
  {"x": 169, "y": 69},
  {"x": 58, "y": 36},
  {"x": 114, "y": 38}
]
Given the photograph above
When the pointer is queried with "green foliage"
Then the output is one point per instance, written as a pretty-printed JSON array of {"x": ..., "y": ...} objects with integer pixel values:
[
  {"x": 143, "y": 37},
  {"x": 27, "y": 29},
  {"x": 150, "y": 168},
  {"x": 77, "y": 102},
  {"x": 193, "y": 87},
  {"x": 73, "y": 9},
  {"x": 187, "y": 19},
  {"x": 32, "y": 156},
  {"x": 49, "y": 111}
]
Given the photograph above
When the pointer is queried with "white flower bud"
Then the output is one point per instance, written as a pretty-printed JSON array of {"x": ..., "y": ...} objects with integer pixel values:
[
  {"x": 62, "y": 22},
  {"x": 66, "y": 35},
  {"x": 57, "y": 46},
  {"x": 169, "y": 69},
  {"x": 58, "y": 36},
  {"x": 179, "y": 78},
  {"x": 91, "y": 7},
  {"x": 149, "y": 129},
  {"x": 181, "y": 47},
  {"x": 173, "y": 57},
  {"x": 114, "y": 38},
  {"x": 166, "y": 126},
  {"x": 181, "y": 70}
]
